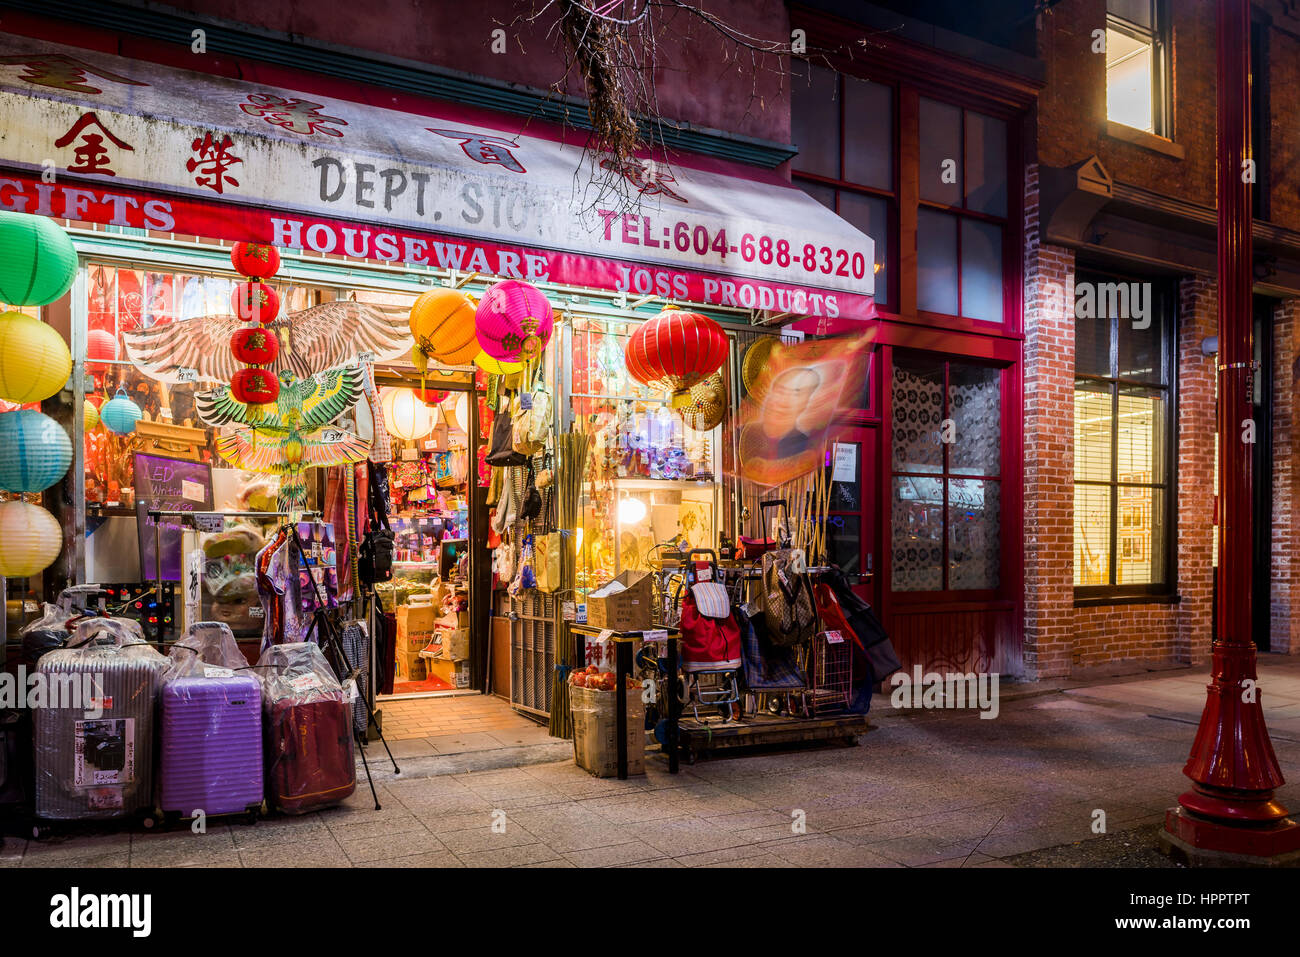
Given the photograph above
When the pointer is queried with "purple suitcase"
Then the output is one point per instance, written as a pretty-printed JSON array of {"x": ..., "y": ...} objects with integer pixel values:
[{"x": 212, "y": 745}]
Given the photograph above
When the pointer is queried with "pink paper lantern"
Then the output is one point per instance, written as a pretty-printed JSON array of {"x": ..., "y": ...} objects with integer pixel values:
[{"x": 513, "y": 321}]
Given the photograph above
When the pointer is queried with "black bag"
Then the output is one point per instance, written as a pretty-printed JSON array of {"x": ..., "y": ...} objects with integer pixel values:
[
  {"x": 375, "y": 556},
  {"x": 532, "y": 507},
  {"x": 502, "y": 450}
]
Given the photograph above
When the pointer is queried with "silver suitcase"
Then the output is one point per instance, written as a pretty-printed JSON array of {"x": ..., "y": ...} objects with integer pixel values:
[{"x": 94, "y": 734}]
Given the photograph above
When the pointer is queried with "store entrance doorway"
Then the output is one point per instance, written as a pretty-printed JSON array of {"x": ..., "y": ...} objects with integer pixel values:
[{"x": 431, "y": 485}]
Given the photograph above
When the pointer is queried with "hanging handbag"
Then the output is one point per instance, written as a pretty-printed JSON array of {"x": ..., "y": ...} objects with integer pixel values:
[
  {"x": 494, "y": 486},
  {"x": 786, "y": 598},
  {"x": 375, "y": 556},
  {"x": 531, "y": 507},
  {"x": 502, "y": 451}
]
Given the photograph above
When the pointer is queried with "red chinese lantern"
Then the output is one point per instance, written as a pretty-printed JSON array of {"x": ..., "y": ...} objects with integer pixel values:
[
  {"x": 255, "y": 260},
  {"x": 101, "y": 348},
  {"x": 255, "y": 301},
  {"x": 254, "y": 345},
  {"x": 676, "y": 350},
  {"x": 255, "y": 386},
  {"x": 431, "y": 396}
]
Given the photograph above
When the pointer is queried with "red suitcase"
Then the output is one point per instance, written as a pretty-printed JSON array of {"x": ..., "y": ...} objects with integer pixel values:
[
  {"x": 311, "y": 764},
  {"x": 308, "y": 730}
]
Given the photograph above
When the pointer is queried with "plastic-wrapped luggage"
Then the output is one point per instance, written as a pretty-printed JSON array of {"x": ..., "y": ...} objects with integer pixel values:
[
  {"x": 308, "y": 729},
  {"x": 94, "y": 734},
  {"x": 211, "y": 726}
]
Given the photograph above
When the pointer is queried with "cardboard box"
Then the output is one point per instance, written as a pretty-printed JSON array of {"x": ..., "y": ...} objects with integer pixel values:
[
  {"x": 629, "y": 610},
  {"x": 415, "y": 619},
  {"x": 455, "y": 644},
  {"x": 454, "y": 673},
  {"x": 595, "y": 731},
  {"x": 410, "y": 667}
]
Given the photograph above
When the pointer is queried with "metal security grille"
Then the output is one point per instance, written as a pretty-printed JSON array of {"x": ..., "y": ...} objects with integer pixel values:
[{"x": 532, "y": 626}]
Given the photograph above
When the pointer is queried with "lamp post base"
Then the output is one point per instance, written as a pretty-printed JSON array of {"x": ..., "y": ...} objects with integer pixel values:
[{"x": 1201, "y": 842}]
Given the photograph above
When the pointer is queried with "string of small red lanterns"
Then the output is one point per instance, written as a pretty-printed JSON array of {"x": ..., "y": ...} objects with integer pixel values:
[{"x": 255, "y": 345}]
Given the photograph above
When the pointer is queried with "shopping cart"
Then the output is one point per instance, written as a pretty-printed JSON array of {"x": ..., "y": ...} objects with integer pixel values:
[
  {"x": 830, "y": 657},
  {"x": 710, "y": 642}
]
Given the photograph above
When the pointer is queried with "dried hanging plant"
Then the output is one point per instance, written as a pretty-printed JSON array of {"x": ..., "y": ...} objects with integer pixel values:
[{"x": 595, "y": 46}]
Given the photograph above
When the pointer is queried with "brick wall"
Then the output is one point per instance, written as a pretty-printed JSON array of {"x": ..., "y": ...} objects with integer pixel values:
[
  {"x": 1284, "y": 572},
  {"x": 1048, "y": 448},
  {"x": 1198, "y": 318},
  {"x": 1284, "y": 131},
  {"x": 1059, "y": 637}
]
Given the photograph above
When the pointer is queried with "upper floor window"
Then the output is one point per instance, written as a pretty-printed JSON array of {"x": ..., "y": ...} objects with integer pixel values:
[
  {"x": 1137, "y": 65},
  {"x": 844, "y": 128}
]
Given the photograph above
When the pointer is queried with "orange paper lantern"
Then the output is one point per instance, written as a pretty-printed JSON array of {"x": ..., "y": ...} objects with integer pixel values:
[{"x": 442, "y": 322}]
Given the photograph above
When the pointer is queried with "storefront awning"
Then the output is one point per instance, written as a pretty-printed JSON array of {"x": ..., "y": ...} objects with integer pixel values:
[{"x": 135, "y": 143}]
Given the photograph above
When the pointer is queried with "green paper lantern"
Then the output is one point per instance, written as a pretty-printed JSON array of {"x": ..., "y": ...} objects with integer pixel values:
[{"x": 37, "y": 260}]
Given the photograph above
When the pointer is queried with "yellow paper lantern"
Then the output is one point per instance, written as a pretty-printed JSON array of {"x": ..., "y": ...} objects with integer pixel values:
[
  {"x": 406, "y": 416},
  {"x": 30, "y": 539},
  {"x": 89, "y": 415},
  {"x": 442, "y": 322},
  {"x": 495, "y": 366},
  {"x": 34, "y": 360}
]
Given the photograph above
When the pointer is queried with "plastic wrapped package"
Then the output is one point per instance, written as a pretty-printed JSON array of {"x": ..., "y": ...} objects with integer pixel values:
[
  {"x": 595, "y": 731},
  {"x": 94, "y": 732},
  {"x": 45, "y": 634},
  {"x": 210, "y": 755},
  {"x": 309, "y": 729}
]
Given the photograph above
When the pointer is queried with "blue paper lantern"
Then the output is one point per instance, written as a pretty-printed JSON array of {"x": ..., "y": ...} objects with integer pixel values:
[
  {"x": 35, "y": 452},
  {"x": 120, "y": 414}
]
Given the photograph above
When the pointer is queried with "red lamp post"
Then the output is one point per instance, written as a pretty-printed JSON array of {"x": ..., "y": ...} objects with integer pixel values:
[{"x": 1229, "y": 815}]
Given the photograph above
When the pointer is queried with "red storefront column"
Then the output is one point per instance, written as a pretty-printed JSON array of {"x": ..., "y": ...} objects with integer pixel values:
[{"x": 1229, "y": 814}]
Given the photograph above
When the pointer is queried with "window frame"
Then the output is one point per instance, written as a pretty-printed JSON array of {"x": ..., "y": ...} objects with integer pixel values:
[
  {"x": 1159, "y": 35},
  {"x": 1165, "y": 305},
  {"x": 841, "y": 185},
  {"x": 1004, "y": 480}
]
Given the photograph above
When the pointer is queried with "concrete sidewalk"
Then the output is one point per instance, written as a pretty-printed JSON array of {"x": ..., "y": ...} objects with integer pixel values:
[{"x": 922, "y": 789}]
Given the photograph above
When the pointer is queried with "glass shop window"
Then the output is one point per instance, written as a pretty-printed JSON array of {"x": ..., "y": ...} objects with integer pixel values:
[
  {"x": 652, "y": 482},
  {"x": 946, "y": 486}
]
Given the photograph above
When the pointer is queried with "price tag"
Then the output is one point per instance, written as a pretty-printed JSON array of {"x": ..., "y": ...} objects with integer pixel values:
[
  {"x": 525, "y": 401},
  {"x": 570, "y": 611},
  {"x": 834, "y": 638},
  {"x": 350, "y": 689},
  {"x": 187, "y": 375},
  {"x": 604, "y": 635},
  {"x": 208, "y": 522},
  {"x": 655, "y": 634},
  {"x": 366, "y": 357},
  {"x": 304, "y": 682},
  {"x": 704, "y": 574},
  {"x": 332, "y": 436},
  {"x": 256, "y": 611},
  {"x": 191, "y": 491},
  {"x": 212, "y": 671}
]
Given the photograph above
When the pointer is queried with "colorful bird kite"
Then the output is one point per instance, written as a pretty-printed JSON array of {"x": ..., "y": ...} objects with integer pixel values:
[{"x": 291, "y": 435}]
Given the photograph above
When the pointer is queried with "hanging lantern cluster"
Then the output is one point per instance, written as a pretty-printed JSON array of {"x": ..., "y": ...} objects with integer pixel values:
[
  {"x": 675, "y": 351},
  {"x": 37, "y": 266},
  {"x": 255, "y": 345}
]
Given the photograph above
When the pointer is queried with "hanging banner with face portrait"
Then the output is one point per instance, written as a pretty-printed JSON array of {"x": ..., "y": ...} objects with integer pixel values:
[{"x": 786, "y": 419}]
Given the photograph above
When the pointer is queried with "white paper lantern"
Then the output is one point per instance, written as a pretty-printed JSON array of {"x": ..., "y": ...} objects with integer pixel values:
[
  {"x": 30, "y": 539},
  {"x": 406, "y": 416}
]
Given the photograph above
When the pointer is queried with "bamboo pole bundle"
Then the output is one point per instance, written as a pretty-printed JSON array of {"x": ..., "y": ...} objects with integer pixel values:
[{"x": 571, "y": 449}]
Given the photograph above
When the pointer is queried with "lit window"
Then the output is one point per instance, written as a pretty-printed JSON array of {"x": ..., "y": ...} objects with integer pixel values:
[
  {"x": 1122, "y": 424},
  {"x": 1136, "y": 81}
]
